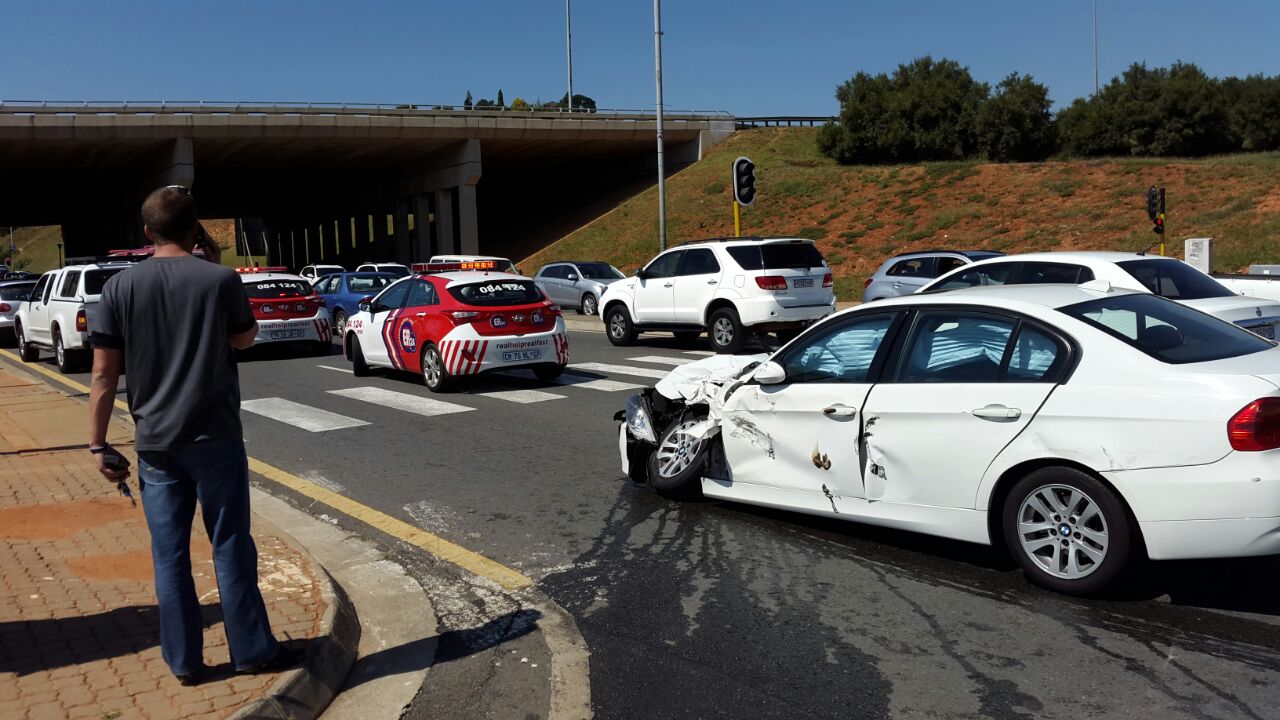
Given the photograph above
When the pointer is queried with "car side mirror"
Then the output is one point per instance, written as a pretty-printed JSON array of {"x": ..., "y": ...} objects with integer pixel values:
[
  {"x": 365, "y": 304},
  {"x": 572, "y": 278},
  {"x": 640, "y": 273},
  {"x": 769, "y": 373}
]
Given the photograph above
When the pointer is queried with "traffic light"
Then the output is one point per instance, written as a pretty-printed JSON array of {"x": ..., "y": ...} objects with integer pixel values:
[
  {"x": 744, "y": 181},
  {"x": 1155, "y": 209}
]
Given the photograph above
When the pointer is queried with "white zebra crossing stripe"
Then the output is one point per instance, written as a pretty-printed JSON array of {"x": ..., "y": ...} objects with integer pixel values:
[
  {"x": 660, "y": 360},
  {"x": 577, "y": 381},
  {"x": 341, "y": 370},
  {"x": 401, "y": 401},
  {"x": 620, "y": 369},
  {"x": 698, "y": 352},
  {"x": 523, "y": 397},
  {"x": 303, "y": 416}
]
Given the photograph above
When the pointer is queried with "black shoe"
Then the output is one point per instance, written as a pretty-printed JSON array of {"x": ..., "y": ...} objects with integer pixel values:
[
  {"x": 284, "y": 659},
  {"x": 192, "y": 678}
]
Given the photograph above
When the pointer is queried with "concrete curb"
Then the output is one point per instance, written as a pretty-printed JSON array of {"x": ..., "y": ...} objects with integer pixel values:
[{"x": 304, "y": 692}]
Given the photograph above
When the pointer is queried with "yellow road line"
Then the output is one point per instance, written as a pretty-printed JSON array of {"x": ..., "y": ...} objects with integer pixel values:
[{"x": 434, "y": 545}]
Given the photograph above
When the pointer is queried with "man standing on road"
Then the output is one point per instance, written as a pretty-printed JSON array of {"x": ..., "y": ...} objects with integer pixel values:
[{"x": 173, "y": 322}]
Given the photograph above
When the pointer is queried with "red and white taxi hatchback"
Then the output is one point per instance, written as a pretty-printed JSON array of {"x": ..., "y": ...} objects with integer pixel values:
[
  {"x": 447, "y": 325},
  {"x": 287, "y": 308}
]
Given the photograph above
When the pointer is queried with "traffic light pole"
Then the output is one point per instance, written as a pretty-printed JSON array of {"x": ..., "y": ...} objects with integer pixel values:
[
  {"x": 662, "y": 164},
  {"x": 737, "y": 219}
]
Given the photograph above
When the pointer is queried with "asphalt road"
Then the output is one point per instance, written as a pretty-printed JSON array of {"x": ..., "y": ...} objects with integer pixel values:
[{"x": 709, "y": 609}]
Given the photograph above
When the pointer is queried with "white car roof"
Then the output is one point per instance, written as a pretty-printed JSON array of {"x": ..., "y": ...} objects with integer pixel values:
[
  {"x": 1024, "y": 297},
  {"x": 1082, "y": 257},
  {"x": 471, "y": 276},
  {"x": 736, "y": 242}
]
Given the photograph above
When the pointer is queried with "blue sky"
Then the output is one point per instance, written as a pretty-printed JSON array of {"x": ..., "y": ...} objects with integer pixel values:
[{"x": 749, "y": 57}]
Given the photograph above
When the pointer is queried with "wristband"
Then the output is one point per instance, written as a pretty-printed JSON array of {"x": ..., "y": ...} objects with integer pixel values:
[{"x": 99, "y": 450}]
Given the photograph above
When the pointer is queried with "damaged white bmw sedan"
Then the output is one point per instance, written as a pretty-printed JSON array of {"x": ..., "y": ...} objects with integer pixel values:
[{"x": 1082, "y": 427}]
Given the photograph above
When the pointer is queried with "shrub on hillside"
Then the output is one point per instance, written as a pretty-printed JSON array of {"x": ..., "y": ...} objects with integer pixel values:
[
  {"x": 925, "y": 111},
  {"x": 1162, "y": 111},
  {"x": 1015, "y": 124}
]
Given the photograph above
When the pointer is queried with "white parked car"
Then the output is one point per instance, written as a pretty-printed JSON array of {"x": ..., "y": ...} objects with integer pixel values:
[
  {"x": 1164, "y": 276},
  {"x": 313, "y": 273},
  {"x": 1079, "y": 426},
  {"x": 60, "y": 312},
  {"x": 394, "y": 268},
  {"x": 732, "y": 288}
]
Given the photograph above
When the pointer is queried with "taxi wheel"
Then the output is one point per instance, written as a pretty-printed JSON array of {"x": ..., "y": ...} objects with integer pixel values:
[
  {"x": 547, "y": 373},
  {"x": 434, "y": 374},
  {"x": 359, "y": 367}
]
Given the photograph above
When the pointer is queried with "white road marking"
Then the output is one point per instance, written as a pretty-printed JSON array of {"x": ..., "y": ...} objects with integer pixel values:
[
  {"x": 698, "y": 352},
  {"x": 303, "y": 416},
  {"x": 620, "y": 369},
  {"x": 341, "y": 370},
  {"x": 660, "y": 360},
  {"x": 401, "y": 401},
  {"x": 579, "y": 381},
  {"x": 521, "y": 396}
]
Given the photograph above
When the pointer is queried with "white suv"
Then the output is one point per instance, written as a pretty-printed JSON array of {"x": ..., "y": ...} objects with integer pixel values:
[
  {"x": 60, "y": 311},
  {"x": 732, "y": 287}
]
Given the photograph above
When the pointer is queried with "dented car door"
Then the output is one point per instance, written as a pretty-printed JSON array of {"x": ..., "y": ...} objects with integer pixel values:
[{"x": 803, "y": 434}]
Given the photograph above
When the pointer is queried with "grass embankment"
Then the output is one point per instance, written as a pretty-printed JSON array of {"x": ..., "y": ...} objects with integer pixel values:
[{"x": 860, "y": 215}]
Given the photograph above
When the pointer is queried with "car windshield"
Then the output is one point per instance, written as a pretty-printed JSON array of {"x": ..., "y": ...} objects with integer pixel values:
[
  {"x": 324, "y": 271},
  {"x": 397, "y": 270},
  {"x": 497, "y": 292},
  {"x": 272, "y": 289},
  {"x": 600, "y": 271},
  {"x": 365, "y": 283},
  {"x": 94, "y": 280},
  {"x": 1174, "y": 280},
  {"x": 16, "y": 292},
  {"x": 1166, "y": 330}
]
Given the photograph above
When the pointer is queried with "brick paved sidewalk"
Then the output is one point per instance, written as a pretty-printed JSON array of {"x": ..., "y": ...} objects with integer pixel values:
[{"x": 79, "y": 633}]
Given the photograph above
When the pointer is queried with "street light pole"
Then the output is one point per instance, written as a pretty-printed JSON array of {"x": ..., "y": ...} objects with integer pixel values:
[
  {"x": 1095, "y": 47},
  {"x": 662, "y": 166},
  {"x": 568, "y": 42}
]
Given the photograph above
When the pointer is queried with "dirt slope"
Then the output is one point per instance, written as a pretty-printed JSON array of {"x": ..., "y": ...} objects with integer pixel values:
[{"x": 860, "y": 215}]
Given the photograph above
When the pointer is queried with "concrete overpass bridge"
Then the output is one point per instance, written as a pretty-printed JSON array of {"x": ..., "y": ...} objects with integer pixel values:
[{"x": 335, "y": 182}]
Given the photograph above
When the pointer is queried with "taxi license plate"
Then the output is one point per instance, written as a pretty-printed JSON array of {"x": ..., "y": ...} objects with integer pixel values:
[
  {"x": 286, "y": 334},
  {"x": 804, "y": 282},
  {"x": 521, "y": 355},
  {"x": 1266, "y": 331}
]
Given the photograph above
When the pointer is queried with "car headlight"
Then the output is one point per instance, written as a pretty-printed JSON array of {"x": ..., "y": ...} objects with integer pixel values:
[{"x": 638, "y": 421}]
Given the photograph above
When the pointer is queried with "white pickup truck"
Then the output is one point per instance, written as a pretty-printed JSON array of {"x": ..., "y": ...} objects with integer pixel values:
[
  {"x": 58, "y": 314},
  {"x": 1263, "y": 281}
]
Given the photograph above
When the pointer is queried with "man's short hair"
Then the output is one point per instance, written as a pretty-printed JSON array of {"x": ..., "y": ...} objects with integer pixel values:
[{"x": 170, "y": 212}]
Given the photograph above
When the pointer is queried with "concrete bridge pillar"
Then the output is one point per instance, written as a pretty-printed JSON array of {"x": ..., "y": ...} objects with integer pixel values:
[
  {"x": 402, "y": 249},
  {"x": 444, "y": 221},
  {"x": 467, "y": 220},
  {"x": 424, "y": 243}
]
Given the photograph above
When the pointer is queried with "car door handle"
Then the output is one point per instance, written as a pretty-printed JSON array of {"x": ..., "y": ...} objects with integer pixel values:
[
  {"x": 839, "y": 410},
  {"x": 712, "y": 282},
  {"x": 667, "y": 285},
  {"x": 421, "y": 314},
  {"x": 997, "y": 412}
]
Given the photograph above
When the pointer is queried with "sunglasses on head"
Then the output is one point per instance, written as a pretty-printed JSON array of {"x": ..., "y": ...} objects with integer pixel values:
[{"x": 180, "y": 188}]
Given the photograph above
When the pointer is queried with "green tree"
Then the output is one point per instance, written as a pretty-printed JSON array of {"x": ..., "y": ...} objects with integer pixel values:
[
  {"x": 580, "y": 102},
  {"x": 1253, "y": 110},
  {"x": 925, "y": 111},
  {"x": 501, "y": 102},
  {"x": 520, "y": 104},
  {"x": 1015, "y": 124},
  {"x": 467, "y": 103}
]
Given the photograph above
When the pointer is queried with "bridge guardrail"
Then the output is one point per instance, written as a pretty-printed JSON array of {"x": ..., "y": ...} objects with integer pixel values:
[{"x": 743, "y": 123}]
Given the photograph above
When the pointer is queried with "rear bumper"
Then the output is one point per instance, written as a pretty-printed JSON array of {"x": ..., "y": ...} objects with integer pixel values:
[
  {"x": 1230, "y": 508},
  {"x": 466, "y": 353},
  {"x": 767, "y": 311}
]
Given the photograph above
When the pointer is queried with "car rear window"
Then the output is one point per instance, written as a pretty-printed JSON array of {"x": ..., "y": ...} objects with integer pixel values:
[
  {"x": 271, "y": 289},
  {"x": 16, "y": 292},
  {"x": 776, "y": 256},
  {"x": 1166, "y": 330},
  {"x": 497, "y": 292},
  {"x": 95, "y": 280},
  {"x": 357, "y": 284},
  {"x": 1174, "y": 280}
]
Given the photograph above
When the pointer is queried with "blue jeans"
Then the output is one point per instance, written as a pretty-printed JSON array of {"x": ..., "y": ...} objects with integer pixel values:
[{"x": 217, "y": 474}]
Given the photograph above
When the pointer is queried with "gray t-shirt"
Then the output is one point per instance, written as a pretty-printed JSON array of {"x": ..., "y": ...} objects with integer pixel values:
[{"x": 172, "y": 316}]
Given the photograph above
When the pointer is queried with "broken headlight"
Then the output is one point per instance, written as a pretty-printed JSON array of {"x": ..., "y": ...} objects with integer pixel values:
[{"x": 639, "y": 422}]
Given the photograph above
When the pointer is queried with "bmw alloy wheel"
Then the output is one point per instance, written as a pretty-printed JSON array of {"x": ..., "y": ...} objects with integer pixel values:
[
  {"x": 678, "y": 449},
  {"x": 723, "y": 331},
  {"x": 1063, "y": 531}
]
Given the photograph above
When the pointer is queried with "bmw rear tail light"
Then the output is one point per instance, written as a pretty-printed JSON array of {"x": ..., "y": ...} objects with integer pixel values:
[
  {"x": 771, "y": 282},
  {"x": 82, "y": 322},
  {"x": 1256, "y": 427},
  {"x": 828, "y": 280}
]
